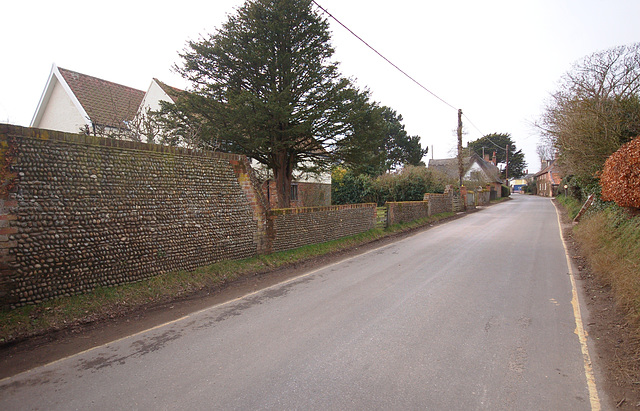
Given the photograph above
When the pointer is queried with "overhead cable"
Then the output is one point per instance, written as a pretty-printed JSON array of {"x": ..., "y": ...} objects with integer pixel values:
[{"x": 383, "y": 57}]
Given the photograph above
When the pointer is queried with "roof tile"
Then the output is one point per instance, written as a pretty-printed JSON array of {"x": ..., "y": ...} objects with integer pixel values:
[{"x": 106, "y": 103}]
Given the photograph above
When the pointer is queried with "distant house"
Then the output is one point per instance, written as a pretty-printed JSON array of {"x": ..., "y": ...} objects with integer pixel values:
[
  {"x": 73, "y": 102},
  {"x": 517, "y": 184},
  {"x": 548, "y": 179},
  {"x": 477, "y": 171}
]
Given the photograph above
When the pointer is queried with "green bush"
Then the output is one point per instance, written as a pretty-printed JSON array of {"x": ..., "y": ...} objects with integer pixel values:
[
  {"x": 409, "y": 184},
  {"x": 347, "y": 188},
  {"x": 581, "y": 188}
]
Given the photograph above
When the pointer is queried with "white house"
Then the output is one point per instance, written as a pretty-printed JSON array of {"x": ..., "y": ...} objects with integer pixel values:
[{"x": 74, "y": 102}]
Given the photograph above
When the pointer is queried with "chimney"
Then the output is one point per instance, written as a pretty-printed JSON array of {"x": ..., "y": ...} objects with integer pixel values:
[
  {"x": 487, "y": 158},
  {"x": 543, "y": 164},
  {"x": 493, "y": 160}
]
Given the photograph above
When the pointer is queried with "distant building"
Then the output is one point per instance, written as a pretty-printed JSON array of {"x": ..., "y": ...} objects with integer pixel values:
[
  {"x": 477, "y": 171},
  {"x": 548, "y": 179}
]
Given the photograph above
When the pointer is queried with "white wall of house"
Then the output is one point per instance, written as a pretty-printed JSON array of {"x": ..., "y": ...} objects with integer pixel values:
[
  {"x": 59, "y": 111},
  {"x": 473, "y": 171},
  {"x": 264, "y": 172},
  {"x": 321, "y": 178},
  {"x": 155, "y": 94}
]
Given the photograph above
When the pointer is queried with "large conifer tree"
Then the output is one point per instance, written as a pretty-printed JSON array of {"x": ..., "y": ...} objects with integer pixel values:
[{"x": 264, "y": 85}]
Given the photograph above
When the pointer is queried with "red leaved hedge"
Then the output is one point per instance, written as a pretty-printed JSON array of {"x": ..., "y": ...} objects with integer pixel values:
[{"x": 620, "y": 179}]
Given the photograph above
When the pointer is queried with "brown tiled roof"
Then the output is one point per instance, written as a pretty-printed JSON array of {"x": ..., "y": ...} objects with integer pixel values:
[{"x": 106, "y": 103}]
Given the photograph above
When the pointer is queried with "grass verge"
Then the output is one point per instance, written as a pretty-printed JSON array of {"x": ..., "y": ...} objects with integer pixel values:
[
  {"x": 108, "y": 302},
  {"x": 572, "y": 205},
  {"x": 610, "y": 240}
]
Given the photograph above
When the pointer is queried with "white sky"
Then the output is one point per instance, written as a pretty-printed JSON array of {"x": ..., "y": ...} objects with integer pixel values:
[{"x": 497, "y": 60}]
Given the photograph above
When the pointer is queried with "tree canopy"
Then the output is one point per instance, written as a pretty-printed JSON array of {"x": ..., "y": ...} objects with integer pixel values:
[
  {"x": 498, "y": 142},
  {"x": 595, "y": 110},
  {"x": 264, "y": 85},
  {"x": 378, "y": 142}
]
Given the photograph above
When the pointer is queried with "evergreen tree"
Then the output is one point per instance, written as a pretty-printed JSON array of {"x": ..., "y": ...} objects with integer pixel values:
[
  {"x": 264, "y": 85},
  {"x": 498, "y": 142}
]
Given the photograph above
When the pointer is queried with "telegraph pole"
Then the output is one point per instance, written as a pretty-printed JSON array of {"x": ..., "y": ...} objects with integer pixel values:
[
  {"x": 460, "y": 162},
  {"x": 507, "y": 167}
]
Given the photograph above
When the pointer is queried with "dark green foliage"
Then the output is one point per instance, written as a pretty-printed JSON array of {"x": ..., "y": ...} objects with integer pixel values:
[
  {"x": 505, "y": 191},
  {"x": 498, "y": 142},
  {"x": 530, "y": 189},
  {"x": 264, "y": 85},
  {"x": 351, "y": 188},
  {"x": 580, "y": 187},
  {"x": 377, "y": 141},
  {"x": 410, "y": 184}
]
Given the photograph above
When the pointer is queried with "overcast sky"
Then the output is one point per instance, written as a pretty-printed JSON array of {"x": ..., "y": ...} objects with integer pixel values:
[{"x": 497, "y": 60}]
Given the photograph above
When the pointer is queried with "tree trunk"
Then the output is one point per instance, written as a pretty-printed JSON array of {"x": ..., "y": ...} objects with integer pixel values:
[{"x": 283, "y": 173}]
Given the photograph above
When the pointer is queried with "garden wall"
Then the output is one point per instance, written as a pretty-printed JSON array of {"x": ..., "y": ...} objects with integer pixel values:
[
  {"x": 401, "y": 212},
  {"x": 439, "y": 203},
  {"x": 295, "y": 227},
  {"x": 78, "y": 212}
]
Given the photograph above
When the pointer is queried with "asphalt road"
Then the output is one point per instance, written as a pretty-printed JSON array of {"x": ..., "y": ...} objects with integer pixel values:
[{"x": 476, "y": 313}]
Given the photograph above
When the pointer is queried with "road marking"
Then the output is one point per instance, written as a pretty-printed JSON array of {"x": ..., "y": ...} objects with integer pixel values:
[{"x": 580, "y": 331}]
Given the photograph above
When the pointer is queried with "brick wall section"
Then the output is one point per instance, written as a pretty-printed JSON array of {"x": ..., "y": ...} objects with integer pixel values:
[
  {"x": 296, "y": 227},
  {"x": 77, "y": 212},
  {"x": 439, "y": 203},
  {"x": 257, "y": 200},
  {"x": 406, "y": 211}
]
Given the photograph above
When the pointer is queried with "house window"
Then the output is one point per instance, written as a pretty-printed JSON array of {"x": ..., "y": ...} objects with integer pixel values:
[{"x": 294, "y": 192}]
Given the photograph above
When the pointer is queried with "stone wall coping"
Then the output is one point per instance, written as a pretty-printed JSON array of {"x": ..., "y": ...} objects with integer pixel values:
[
  {"x": 43, "y": 134},
  {"x": 306, "y": 210},
  {"x": 407, "y": 202}
]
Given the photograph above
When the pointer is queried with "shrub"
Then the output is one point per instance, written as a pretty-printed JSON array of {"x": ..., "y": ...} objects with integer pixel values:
[
  {"x": 348, "y": 188},
  {"x": 620, "y": 179},
  {"x": 409, "y": 184}
]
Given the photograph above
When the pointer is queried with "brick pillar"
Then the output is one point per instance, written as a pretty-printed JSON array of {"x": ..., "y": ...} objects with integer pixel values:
[
  {"x": 463, "y": 195},
  {"x": 256, "y": 198}
]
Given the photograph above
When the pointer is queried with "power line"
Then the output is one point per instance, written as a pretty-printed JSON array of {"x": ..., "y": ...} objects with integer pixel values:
[
  {"x": 398, "y": 68},
  {"x": 383, "y": 57},
  {"x": 471, "y": 122}
]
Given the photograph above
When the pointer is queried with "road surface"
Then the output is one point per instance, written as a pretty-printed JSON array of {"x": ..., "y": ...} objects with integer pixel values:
[{"x": 475, "y": 314}]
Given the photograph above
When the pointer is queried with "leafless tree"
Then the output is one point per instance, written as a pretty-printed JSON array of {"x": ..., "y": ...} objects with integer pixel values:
[{"x": 595, "y": 110}]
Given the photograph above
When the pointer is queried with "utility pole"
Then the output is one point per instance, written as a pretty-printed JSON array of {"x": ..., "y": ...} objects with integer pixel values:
[
  {"x": 506, "y": 171},
  {"x": 460, "y": 162}
]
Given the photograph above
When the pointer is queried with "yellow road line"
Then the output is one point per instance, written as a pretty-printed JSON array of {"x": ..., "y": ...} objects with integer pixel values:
[{"x": 582, "y": 335}]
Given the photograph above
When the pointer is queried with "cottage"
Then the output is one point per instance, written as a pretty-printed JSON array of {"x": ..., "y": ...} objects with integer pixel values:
[
  {"x": 477, "y": 171},
  {"x": 548, "y": 179}
]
